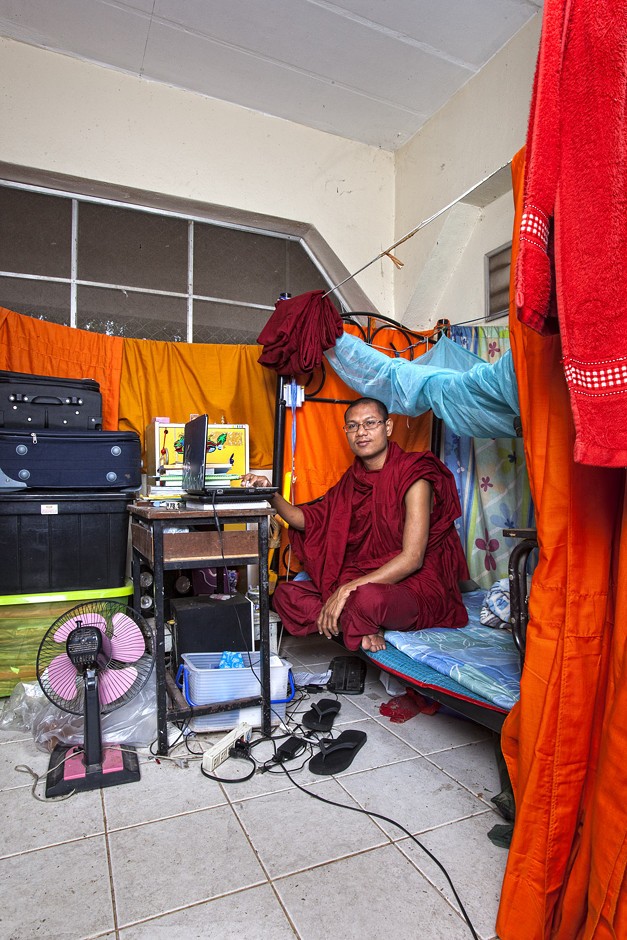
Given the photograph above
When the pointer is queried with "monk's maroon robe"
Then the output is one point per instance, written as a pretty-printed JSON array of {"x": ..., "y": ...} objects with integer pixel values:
[{"x": 358, "y": 526}]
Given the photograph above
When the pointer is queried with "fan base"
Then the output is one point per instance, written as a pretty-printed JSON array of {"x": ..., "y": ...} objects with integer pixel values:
[{"x": 67, "y": 772}]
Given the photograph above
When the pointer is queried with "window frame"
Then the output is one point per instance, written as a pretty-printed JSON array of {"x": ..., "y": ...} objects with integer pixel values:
[{"x": 349, "y": 297}]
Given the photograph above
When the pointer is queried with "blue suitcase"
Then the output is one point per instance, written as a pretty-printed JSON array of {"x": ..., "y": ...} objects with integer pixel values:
[{"x": 69, "y": 460}]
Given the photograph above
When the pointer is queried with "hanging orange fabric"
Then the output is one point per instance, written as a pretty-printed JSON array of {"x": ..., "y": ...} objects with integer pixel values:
[
  {"x": 31, "y": 345},
  {"x": 175, "y": 380},
  {"x": 565, "y": 741}
]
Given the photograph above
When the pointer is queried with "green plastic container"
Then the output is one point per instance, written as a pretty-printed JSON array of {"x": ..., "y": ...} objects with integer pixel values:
[{"x": 24, "y": 619}]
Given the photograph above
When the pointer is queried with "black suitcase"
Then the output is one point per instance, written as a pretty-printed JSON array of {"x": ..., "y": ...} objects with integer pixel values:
[
  {"x": 69, "y": 460},
  {"x": 44, "y": 401}
]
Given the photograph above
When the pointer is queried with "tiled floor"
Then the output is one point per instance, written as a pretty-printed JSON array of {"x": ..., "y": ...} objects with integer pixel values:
[{"x": 180, "y": 856}]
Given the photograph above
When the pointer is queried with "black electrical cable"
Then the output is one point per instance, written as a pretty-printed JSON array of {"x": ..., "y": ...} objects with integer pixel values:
[
  {"x": 393, "y": 822},
  {"x": 241, "y": 756},
  {"x": 180, "y": 738}
]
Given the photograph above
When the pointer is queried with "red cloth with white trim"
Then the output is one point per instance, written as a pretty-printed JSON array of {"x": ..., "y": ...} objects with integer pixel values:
[{"x": 571, "y": 265}]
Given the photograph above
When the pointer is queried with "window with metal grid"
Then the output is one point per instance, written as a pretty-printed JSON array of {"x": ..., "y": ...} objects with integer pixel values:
[{"x": 139, "y": 272}]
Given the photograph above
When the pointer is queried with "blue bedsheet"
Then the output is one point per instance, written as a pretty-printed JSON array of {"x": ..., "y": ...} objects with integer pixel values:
[{"x": 481, "y": 659}]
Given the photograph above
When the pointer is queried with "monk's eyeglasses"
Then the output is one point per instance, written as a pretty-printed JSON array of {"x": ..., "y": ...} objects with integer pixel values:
[{"x": 369, "y": 425}]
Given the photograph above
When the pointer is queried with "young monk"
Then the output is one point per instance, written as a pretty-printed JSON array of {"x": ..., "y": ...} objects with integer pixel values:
[{"x": 380, "y": 547}]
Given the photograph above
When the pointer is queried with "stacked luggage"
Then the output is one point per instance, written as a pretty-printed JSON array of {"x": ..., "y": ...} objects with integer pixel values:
[
  {"x": 64, "y": 489},
  {"x": 51, "y": 437}
]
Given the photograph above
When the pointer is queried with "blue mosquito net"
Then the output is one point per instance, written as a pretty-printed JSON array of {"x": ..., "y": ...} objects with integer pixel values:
[{"x": 473, "y": 397}]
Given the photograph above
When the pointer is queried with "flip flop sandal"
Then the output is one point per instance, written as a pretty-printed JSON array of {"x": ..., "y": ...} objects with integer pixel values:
[
  {"x": 336, "y": 756},
  {"x": 321, "y": 715}
]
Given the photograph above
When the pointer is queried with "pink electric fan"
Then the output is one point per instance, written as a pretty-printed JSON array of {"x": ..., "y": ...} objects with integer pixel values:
[{"x": 92, "y": 660}]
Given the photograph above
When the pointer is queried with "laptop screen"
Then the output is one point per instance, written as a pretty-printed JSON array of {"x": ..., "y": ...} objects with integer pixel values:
[{"x": 195, "y": 455}]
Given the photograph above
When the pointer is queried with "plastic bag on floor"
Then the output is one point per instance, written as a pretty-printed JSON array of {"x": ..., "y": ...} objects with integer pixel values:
[{"x": 28, "y": 710}]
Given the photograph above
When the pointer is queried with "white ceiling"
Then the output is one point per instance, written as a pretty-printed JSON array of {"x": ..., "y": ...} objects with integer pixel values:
[{"x": 369, "y": 70}]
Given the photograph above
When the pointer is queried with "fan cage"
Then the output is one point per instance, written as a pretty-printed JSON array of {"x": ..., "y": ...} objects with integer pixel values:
[{"x": 120, "y": 678}]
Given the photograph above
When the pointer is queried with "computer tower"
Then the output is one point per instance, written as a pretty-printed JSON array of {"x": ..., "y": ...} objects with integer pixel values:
[{"x": 211, "y": 623}]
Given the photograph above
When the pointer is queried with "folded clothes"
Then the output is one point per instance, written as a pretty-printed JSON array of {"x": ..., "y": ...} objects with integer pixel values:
[{"x": 496, "y": 610}]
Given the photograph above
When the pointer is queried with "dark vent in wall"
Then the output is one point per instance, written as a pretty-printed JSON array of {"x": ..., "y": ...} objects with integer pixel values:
[{"x": 497, "y": 269}]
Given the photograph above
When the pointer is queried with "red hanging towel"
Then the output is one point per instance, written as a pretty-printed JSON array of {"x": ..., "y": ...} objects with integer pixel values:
[
  {"x": 298, "y": 332},
  {"x": 576, "y": 203}
]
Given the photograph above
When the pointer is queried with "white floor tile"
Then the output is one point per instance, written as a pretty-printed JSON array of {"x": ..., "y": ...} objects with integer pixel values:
[
  {"x": 474, "y": 766},
  {"x": 370, "y": 896},
  {"x": 164, "y": 790},
  {"x": 275, "y": 826},
  {"x": 62, "y": 892},
  {"x": 176, "y": 862},
  {"x": 20, "y": 752},
  {"x": 29, "y": 824},
  {"x": 413, "y": 793},
  {"x": 475, "y": 866},
  {"x": 255, "y": 913},
  {"x": 438, "y": 732}
]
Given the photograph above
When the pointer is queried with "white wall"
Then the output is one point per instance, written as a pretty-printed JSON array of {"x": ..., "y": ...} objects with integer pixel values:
[
  {"x": 463, "y": 296},
  {"x": 475, "y": 133},
  {"x": 66, "y": 116},
  {"x": 70, "y": 117}
]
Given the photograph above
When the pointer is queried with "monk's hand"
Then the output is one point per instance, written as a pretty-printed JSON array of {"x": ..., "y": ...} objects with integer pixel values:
[
  {"x": 329, "y": 618},
  {"x": 254, "y": 479}
]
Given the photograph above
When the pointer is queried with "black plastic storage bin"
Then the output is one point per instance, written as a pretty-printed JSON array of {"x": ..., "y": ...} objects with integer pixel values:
[{"x": 55, "y": 541}]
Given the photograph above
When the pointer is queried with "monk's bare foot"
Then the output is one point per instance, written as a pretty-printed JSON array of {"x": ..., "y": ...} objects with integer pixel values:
[{"x": 373, "y": 643}]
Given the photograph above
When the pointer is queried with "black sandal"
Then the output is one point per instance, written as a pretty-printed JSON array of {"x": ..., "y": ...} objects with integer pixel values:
[
  {"x": 321, "y": 715},
  {"x": 336, "y": 756}
]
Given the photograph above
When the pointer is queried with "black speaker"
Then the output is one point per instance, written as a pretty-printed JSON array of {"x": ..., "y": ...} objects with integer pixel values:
[{"x": 207, "y": 624}]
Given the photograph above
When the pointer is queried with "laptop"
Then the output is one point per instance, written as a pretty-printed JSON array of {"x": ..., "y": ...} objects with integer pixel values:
[{"x": 206, "y": 487}]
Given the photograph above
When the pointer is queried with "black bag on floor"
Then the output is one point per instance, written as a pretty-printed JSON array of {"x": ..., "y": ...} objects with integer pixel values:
[
  {"x": 69, "y": 460},
  {"x": 44, "y": 401}
]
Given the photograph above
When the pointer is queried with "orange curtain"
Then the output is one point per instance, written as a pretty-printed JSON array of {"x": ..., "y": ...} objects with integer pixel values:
[
  {"x": 175, "y": 380},
  {"x": 31, "y": 345},
  {"x": 565, "y": 743}
]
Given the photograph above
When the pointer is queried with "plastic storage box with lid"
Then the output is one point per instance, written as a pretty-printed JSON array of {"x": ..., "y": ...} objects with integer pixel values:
[
  {"x": 24, "y": 619},
  {"x": 205, "y": 684},
  {"x": 63, "y": 541}
]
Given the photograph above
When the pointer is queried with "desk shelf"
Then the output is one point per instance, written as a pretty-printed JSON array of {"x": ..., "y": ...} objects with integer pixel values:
[
  {"x": 203, "y": 546},
  {"x": 192, "y": 549}
]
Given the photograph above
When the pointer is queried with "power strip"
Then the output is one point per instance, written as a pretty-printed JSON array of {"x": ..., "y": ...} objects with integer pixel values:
[{"x": 218, "y": 752}]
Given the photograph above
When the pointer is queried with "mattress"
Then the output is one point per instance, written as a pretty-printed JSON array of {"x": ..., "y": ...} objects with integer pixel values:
[{"x": 477, "y": 662}]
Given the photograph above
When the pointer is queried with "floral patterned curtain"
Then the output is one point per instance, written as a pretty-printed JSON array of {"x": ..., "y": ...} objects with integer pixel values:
[{"x": 491, "y": 476}]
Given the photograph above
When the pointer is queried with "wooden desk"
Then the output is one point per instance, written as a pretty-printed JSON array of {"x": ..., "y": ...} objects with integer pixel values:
[{"x": 162, "y": 550}]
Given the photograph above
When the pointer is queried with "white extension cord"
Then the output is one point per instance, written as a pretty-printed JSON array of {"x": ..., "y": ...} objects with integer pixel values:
[{"x": 217, "y": 753}]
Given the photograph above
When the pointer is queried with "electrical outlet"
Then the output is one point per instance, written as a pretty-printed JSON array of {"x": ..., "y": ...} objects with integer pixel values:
[{"x": 218, "y": 752}]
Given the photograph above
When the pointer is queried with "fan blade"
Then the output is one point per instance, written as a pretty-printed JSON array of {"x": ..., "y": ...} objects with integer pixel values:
[
  {"x": 127, "y": 642},
  {"x": 114, "y": 683},
  {"x": 87, "y": 619},
  {"x": 62, "y": 675}
]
